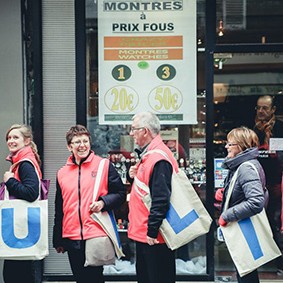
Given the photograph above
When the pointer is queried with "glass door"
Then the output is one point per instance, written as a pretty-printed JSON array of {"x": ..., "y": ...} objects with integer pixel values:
[{"x": 248, "y": 92}]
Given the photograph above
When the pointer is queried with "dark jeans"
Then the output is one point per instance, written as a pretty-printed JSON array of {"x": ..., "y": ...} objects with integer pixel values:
[
  {"x": 89, "y": 274},
  {"x": 273, "y": 213},
  {"x": 155, "y": 264},
  {"x": 24, "y": 271},
  {"x": 249, "y": 278}
]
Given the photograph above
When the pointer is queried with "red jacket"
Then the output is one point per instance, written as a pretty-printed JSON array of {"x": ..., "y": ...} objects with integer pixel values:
[
  {"x": 25, "y": 184},
  {"x": 25, "y": 153},
  {"x": 138, "y": 213},
  {"x": 77, "y": 183}
]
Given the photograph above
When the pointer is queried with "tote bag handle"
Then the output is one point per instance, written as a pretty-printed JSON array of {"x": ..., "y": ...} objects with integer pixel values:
[
  {"x": 232, "y": 183},
  {"x": 98, "y": 179},
  {"x": 13, "y": 166}
]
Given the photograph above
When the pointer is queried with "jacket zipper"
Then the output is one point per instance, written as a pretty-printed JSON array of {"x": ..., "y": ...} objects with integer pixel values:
[{"x": 79, "y": 197}]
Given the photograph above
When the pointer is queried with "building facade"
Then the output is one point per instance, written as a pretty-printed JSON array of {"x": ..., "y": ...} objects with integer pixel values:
[{"x": 50, "y": 79}]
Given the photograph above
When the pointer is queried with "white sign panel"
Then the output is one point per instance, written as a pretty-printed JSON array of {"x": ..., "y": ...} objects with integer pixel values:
[
  {"x": 147, "y": 60},
  {"x": 276, "y": 144}
]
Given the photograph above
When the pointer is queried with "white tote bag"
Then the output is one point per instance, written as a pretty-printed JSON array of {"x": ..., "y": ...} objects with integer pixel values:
[
  {"x": 106, "y": 220},
  {"x": 23, "y": 229},
  {"x": 187, "y": 217},
  {"x": 249, "y": 241}
]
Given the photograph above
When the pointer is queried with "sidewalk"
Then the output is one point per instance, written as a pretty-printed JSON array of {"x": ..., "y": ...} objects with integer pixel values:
[{"x": 262, "y": 281}]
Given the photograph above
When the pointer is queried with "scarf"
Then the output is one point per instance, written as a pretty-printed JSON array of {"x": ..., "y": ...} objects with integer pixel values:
[{"x": 265, "y": 127}]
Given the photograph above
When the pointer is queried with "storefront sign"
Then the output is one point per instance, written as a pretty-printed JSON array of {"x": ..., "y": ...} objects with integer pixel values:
[
  {"x": 147, "y": 60},
  {"x": 219, "y": 173}
]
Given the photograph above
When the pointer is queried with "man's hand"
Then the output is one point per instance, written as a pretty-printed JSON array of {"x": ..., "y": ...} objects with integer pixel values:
[
  {"x": 60, "y": 250},
  {"x": 152, "y": 241},
  {"x": 133, "y": 171}
]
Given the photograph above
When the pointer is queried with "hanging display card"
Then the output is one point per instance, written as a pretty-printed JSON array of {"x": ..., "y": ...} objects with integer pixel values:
[{"x": 147, "y": 60}]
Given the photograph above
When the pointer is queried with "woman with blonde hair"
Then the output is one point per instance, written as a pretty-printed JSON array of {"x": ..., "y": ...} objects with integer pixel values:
[
  {"x": 22, "y": 182},
  {"x": 248, "y": 196}
]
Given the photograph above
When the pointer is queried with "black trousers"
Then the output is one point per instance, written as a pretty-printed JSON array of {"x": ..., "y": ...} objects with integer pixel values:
[
  {"x": 249, "y": 278},
  {"x": 89, "y": 274},
  {"x": 155, "y": 264},
  {"x": 29, "y": 271}
]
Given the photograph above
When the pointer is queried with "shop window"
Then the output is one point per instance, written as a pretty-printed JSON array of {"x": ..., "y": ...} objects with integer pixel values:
[
  {"x": 187, "y": 142},
  {"x": 240, "y": 80}
]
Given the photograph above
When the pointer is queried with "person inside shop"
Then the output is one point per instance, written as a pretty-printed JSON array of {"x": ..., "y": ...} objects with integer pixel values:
[
  {"x": 73, "y": 202},
  {"x": 248, "y": 197},
  {"x": 155, "y": 262},
  {"x": 22, "y": 182},
  {"x": 267, "y": 126}
]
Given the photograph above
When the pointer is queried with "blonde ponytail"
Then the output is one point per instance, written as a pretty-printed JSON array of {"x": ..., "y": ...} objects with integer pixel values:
[{"x": 34, "y": 150}]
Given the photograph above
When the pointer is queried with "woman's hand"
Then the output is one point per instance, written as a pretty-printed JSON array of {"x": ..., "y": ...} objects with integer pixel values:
[
  {"x": 96, "y": 206},
  {"x": 219, "y": 194},
  {"x": 8, "y": 175},
  {"x": 221, "y": 221}
]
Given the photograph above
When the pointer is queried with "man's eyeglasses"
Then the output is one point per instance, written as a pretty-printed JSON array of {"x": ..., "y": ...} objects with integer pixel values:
[
  {"x": 133, "y": 129},
  {"x": 79, "y": 142},
  {"x": 264, "y": 108}
]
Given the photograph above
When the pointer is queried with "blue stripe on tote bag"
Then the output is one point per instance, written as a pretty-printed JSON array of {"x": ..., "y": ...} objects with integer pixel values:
[
  {"x": 251, "y": 237},
  {"x": 178, "y": 223}
]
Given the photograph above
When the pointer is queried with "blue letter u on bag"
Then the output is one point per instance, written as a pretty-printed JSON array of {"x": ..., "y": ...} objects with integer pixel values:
[{"x": 33, "y": 224}]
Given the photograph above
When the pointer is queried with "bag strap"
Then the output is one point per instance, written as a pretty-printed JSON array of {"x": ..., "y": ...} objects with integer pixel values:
[
  {"x": 159, "y": 151},
  {"x": 140, "y": 184},
  {"x": 230, "y": 189},
  {"x": 98, "y": 178},
  {"x": 233, "y": 180},
  {"x": 13, "y": 166}
]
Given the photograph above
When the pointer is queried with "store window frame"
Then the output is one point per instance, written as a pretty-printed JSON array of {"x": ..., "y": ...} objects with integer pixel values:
[
  {"x": 32, "y": 61},
  {"x": 210, "y": 48},
  {"x": 213, "y": 47},
  {"x": 81, "y": 108}
]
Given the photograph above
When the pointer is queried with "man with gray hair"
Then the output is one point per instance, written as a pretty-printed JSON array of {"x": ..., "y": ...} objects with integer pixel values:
[{"x": 155, "y": 262}]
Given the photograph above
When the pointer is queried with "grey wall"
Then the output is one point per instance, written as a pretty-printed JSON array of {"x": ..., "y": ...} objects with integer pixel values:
[
  {"x": 11, "y": 73},
  {"x": 59, "y": 104},
  {"x": 11, "y": 76}
]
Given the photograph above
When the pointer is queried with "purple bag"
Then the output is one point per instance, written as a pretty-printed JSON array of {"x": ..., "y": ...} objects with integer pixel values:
[
  {"x": 45, "y": 184},
  {"x": 2, "y": 190}
]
